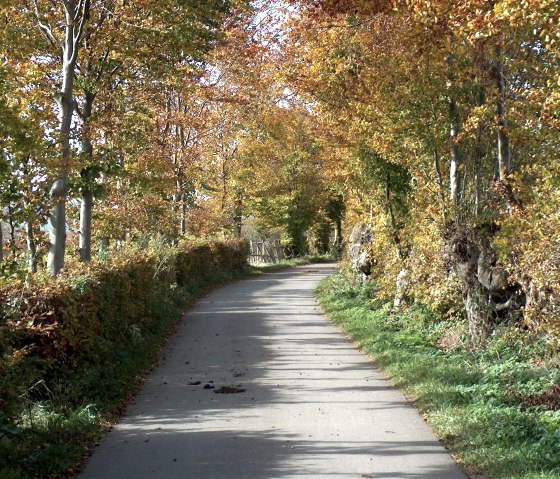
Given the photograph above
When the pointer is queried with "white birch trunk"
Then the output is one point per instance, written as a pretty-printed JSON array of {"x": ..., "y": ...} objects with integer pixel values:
[{"x": 59, "y": 189}]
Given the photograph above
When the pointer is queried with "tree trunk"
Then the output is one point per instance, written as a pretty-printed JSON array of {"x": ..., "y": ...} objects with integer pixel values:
[
  {"x": 402, "y": 283},
  {"x": 478, "y": 156},
  {"x": 238, "y": 215},
  {"x": 402, "y": 288},
  {"x": 455, "y": 159},
  {"x": 57, "y": 223},
  {"x": 504, "y": 154},
  {"x": 338, "y": 234},
  {"x": 31, "y": 247},
  {"x": 504, "y": 150},
  {"x": 29, "y": 234},
  {"x": 437, "y": 165},
  {"x": 1, "y": 243},
  {"x": 86, "y": 208},
  {"x": 478, "y": 313},
  {"x": 469, "y": 261},
  {"x": 183, "y": 215},
  {"x": 86, "y": 215},
  {"x": 12, "y": 231},
  {"x": 478, "y": 177},
  {"x": 104, "y": 244},
  {"x": 178, "y": 206},
  {"x": 224, "y": 185},
  {"x": 392, "y": 222},
  {"x": 65, "y": 100},
  {"x": 454, "y": 156}
]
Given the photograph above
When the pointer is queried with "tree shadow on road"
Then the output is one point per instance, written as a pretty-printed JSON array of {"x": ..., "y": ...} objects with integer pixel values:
[{"x": 264, "y": 337}]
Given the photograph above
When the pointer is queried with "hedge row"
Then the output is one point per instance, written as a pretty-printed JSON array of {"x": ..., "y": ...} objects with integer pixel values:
[{"x": 81, "y": 318}]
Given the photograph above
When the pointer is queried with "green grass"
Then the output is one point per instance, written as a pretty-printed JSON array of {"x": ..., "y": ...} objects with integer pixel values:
[
  {"x": 474, "y": 400},
  {"x": 289, "y": 263}
]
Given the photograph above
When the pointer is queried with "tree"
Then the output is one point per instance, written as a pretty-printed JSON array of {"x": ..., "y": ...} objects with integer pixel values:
[
  {"x": 23, "y": 148},
  {"x": 121, "y": 47},
  {"x": 376, "y": 73},
  {"x": 64, "y": 25}
]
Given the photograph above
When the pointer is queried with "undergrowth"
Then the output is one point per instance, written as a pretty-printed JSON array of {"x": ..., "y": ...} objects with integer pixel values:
[{"x": 484, "y": 404}]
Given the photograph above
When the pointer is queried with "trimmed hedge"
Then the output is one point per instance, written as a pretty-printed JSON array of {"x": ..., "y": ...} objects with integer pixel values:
[{"x": 80, "y": 319}]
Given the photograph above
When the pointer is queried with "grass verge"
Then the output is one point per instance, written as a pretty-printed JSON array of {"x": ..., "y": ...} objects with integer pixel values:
[
  {"x": 290, "y": 263},
  {"x": 493, "y": 408}
]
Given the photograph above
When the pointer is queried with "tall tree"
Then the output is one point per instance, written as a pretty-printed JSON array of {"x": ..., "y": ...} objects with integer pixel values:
[
  {"x": 121, "y": 48},
  {"x": 64, "y": 25}
]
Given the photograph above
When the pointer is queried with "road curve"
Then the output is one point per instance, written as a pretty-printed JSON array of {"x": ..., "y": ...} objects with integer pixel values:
[{"x": 312, "y": 406}]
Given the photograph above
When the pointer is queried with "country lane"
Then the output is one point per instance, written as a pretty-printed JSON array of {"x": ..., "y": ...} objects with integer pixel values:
[{"x": 282, "y": 394}]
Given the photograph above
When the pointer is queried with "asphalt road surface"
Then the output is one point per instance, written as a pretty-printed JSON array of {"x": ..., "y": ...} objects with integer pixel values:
[{"x": 298, "y": 400}]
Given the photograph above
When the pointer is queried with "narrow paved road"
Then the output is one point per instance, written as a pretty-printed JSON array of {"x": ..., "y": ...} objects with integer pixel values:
[{"x": 313, "y": 406}]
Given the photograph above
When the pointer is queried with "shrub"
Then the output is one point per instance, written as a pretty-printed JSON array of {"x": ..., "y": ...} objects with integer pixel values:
[{"x": 52, "y": 327}]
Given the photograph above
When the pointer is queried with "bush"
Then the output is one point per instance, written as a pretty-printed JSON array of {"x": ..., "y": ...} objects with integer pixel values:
[{"x": 52, "y": 327}]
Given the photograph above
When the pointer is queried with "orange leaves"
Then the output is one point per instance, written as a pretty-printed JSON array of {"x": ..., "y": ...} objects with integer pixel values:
[
  {"x": 355, "y": 7},
  {"x": 377, "y": 75}
]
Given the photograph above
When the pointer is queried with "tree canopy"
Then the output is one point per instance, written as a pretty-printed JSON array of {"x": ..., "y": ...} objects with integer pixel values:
[{"x": 434, "y": 123}]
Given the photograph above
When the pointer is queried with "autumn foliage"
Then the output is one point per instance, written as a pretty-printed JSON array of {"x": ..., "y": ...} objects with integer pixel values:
[
  {"x": 442, "y": 118},
  {"x": 422, "y": 134},
  {"x": 80, "y": 320},
  {"x": 433, "y": 123}
]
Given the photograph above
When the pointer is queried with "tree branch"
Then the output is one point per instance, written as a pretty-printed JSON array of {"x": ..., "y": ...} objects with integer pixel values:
[
  {"x": 82, "y": 12},
  {"x": 45, "y": 28}
]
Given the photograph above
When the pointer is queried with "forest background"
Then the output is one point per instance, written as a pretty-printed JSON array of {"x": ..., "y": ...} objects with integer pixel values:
[{"x": 433, "y": 123}]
